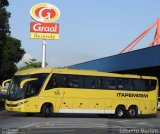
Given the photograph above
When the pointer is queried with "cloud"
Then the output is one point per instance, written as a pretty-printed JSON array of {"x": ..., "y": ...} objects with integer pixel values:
[
  {"x": 66, "y": 59},
  {"x": 25, "y": 58}
]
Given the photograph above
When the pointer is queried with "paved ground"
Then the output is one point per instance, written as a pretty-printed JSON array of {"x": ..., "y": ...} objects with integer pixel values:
[{"x": 79, "y": 123}]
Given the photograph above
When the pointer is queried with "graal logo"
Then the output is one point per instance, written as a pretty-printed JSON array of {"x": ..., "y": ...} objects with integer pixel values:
[{"x": 45, "y": 12}]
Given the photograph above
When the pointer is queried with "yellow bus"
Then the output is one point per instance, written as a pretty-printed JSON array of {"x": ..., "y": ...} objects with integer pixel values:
[{"x": 48, "y": 91}]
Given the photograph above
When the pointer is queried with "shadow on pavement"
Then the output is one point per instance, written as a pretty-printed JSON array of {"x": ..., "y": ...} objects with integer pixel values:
[{"x": 70, "y": 115}]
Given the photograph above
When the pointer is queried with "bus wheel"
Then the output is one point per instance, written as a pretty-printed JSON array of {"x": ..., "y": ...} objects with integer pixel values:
[
  {"x": 46, "y": 110},
  {"x": 120, "y": 112},
  {"x": 132, "y": 112},
  {"x": 29, "y": 114}
]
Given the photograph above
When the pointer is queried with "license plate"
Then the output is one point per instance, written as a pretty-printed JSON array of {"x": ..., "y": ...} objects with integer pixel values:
[{"x": 11, "y": 109}]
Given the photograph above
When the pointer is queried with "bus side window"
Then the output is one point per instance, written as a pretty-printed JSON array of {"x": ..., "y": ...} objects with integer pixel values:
[
  {"x": 52, "y": 83},
  {"x": 111, "y": 83},
  {"x": 72, "y": 81},
  {"x": 153, "y": 85},
  {"x": 128, "y": 84},
  {"x": 60, "y": 80},
  {"x": 92, "y": 83},
  {"x": 89, "y": 82},
  {"x": 150, "y": 85},
  {"x": 81, "y": 82},
  {"x": 100, "y": 83},
  {"x": 105, "y": 83},
  {"x": 57, "y": 80},
  {"x": 139, "y": 85},
  {"x": 120, "y": 83}
]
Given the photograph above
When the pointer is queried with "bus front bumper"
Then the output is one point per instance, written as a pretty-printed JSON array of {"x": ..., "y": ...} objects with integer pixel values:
[{"x": 19, "y": 106}]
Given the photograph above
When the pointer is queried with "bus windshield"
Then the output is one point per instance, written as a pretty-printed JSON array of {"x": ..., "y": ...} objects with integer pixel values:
[{"x": 30, "y": 89}]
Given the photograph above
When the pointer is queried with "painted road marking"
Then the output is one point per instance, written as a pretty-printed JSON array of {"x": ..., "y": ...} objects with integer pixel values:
[{"x": 65, "y": 125}]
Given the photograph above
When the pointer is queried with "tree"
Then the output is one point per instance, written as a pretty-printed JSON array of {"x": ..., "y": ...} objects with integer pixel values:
[
  {"x": 4, "y": 20},
  {"x": 10, "y": 48},
  {"x": 32, "y": 63}
]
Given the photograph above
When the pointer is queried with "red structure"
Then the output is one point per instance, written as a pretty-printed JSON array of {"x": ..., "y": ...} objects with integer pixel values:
[{"x": 155, "y": 41}]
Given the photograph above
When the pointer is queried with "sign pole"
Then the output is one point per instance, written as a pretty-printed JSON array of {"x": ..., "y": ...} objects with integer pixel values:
[{"x": 43, "y": 53}]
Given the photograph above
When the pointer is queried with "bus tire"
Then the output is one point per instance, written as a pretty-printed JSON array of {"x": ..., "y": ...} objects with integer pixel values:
[
  {"x": 120, "y": 111},
  {"x": 132, "y": 112},
  {"x": 29, "y": 114},
  {"x": 47, "y": 110}
]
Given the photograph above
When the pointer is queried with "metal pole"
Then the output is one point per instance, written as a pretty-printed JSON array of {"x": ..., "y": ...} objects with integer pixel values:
[{"x": 43, "y": 53}]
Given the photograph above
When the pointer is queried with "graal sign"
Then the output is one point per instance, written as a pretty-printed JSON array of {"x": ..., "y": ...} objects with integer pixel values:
[
  {"x": 44, "y": 27},
  {"x": 45, "y": 14}
]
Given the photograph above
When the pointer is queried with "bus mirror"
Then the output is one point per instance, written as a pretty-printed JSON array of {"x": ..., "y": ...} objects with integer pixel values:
[
  {"x": 4, "y": 90},
  {"x": 27, "y": 80},
  {"x": 4, "y": 87}
]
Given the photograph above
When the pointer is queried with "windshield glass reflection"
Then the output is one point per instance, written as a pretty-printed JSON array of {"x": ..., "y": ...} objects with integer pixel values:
[{"x": 30, "y": 89}]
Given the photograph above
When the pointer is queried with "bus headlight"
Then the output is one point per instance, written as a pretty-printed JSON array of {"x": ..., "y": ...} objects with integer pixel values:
[
  {"x": 20, "y": 103},
  {"x": 15, "y": 105}
]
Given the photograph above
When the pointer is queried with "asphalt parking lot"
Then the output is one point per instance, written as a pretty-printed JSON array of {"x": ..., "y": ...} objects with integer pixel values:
[{"x": 76, "y": 123}]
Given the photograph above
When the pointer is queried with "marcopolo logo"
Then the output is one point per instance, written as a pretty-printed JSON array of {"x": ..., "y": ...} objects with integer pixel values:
[{"x": 45, "y": 12}]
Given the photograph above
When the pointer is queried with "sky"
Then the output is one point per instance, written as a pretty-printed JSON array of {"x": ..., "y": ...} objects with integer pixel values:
[{"x": 89, "y": 29}]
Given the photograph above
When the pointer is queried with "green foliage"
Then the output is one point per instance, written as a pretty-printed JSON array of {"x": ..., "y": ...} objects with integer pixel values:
[
  {"x": 32, "y": 63},
  {"x": 3, "y": 3},
  {"x": 4, "y": 20},
  {"x": 10, "y": 48},
  {"x": 12, "y": 53}
]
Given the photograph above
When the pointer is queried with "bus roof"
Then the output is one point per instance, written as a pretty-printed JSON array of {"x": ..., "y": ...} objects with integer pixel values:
[
  {"x": 80, "y": 72},
  {"x": 34, "y": 71},
  {"x": 97, "y": 73}
]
